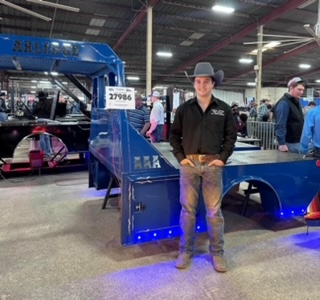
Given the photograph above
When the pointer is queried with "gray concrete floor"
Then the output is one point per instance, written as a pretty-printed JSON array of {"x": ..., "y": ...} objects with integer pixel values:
[{"x": 57, "y": 243}]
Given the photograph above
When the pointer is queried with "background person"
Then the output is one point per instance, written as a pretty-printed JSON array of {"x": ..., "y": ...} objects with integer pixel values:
[
  {"x": 43, "y": 110},
  {"x": 289, "y": 117},
  {"x": 203, "y": 135},
  {"x": 156, "y": 119},
  {"x": 263, "y": 109},
  {"x": 310, "y": 106},
  {"x": 310, "y": 137},
  {"x": 3, "y": 107},
  {"x": 139, "y": 117}
]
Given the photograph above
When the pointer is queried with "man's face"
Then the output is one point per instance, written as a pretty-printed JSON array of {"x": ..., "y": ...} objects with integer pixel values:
[
  {"x": 138, "y": 103},
  {"x": 203, "y": 86},
  {"x": 297, "y": 91},
  {"x": 154, "y": 99}
]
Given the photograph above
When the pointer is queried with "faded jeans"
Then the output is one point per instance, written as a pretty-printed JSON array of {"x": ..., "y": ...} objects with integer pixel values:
[
  {"x": 3, "y": 116},
  {"x": 294, "y": 147},
  {"x": 191, "y": 181},
  {"x": 156, "y": 135},
  {"x": 45, "y": 144}
]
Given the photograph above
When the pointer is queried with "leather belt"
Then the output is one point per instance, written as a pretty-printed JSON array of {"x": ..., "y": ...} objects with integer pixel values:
[{"x": 203, "y": 158}]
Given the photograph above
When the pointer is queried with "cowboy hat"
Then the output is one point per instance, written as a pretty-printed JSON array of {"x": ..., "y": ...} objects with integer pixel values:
[{"x": 205, "y": 69}]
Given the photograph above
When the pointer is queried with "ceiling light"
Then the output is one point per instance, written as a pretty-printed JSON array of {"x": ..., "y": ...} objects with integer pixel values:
[
  {"x": 164, "y": 54},
  {"x": 186, "y": 43},
  {"x": 97, "y": 22},
  {"x": 55, "y": 5},
  {"x": 251, "y": 83},
  {"x": 304, "y": 66},
  {"x": 318, "y": 80},
  {"x": 196, "y": 36},
  {"x": 223, "y": 9},
  {"x": 272, "y": 44},
  {"x": 133, "y": 78},
  {"x": 246, "y": 60},
  {"x": 54, "y": 73},
  {"x": 90, "y": 31},
  {"x": 255, "y": 51}
]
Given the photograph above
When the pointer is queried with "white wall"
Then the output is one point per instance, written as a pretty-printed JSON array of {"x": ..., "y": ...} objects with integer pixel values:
[
  {"x": 229, "y": 96},
  {"x": 272, "y": 93}
]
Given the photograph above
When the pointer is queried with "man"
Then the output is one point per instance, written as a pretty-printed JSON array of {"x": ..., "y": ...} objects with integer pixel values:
[
  {"x": 43, "y": 110},
  {"x": 263, "y": 109},
  {"x": 139, "y": 117},
  {"x": 203, "y": 136},
  {"x": 311, "y": 133},
  {"x": 3, "y": 107},
  {"x": 289, "y": 117},
  {"x": 253, "y": 111},
  {"x": 310, "y": 106},
  {"x": 156, "y": 119}
]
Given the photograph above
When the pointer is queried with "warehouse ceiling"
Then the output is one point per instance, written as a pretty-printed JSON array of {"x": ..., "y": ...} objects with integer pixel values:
[{"x": 190, "y": 30}]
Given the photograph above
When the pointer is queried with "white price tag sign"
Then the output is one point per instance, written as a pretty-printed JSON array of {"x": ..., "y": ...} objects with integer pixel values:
[{"x": 120, "y": 97}]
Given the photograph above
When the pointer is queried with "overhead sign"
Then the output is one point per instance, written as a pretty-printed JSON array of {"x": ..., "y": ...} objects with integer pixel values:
[
  {"x": 120, "y": 98},
  {"x": 46, "y": 47}
]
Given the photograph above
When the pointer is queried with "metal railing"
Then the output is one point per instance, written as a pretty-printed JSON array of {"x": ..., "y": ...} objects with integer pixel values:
[{"x": 265, "y": 132}]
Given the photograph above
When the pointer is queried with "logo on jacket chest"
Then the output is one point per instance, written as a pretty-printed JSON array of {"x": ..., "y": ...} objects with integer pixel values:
[{"x": 217, "y": 112}]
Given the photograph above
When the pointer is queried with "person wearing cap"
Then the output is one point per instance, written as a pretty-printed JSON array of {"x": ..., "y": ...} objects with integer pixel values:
[
  {"x": 203, "y": 136},
  {"x": 139, "y": 117},
  {"x": 3, "y": 107},
  {"x": 156, "y": 119},
  {"x": 289, "y": 117}
]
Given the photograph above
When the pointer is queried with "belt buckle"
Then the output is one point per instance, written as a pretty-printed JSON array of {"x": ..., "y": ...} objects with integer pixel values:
[{"x": 202, "y": 158}]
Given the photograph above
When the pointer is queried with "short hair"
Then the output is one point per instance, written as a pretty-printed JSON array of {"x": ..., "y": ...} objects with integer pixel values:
[
  {"x": 41, "y": 95},
  {"x": 138, "y": 97},
  {"x": 312, "y": 103},
  {"x": 243, "y": 117}
]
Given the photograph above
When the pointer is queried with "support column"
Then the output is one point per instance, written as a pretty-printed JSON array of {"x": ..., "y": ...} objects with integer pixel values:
[
  {"x": 258, "y": 66},
  {"x": 149, "y": 51}
]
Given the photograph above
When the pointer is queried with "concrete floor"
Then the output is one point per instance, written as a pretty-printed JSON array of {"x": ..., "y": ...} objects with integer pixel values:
[{"x": 57, "y": 243}]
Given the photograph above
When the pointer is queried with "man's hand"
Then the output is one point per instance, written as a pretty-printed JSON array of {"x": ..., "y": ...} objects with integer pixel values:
[
  {"x": 148, "y": 133},
  {"x": 186, "y": 162},
  {"x": 283, "y": 148},
  {"x": 217, "y": 163}
]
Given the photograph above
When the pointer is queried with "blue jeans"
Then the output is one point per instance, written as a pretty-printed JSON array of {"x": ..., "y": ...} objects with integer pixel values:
[
  {"x": 156, "y": 135},
  {"x": 3, "y": 116},
  {"x": 294, "y": 147},
  {"x": 45, "y": 144},
  {"x": 191, "y": 181}
]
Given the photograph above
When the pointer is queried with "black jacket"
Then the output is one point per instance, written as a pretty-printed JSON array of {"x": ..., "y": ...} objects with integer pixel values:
[
  {"x": 3, "y": 107},
  {"x": 196, "y": 132},
  {"x": 43, "y": 108},
  {"x": 295, "y": 119}
]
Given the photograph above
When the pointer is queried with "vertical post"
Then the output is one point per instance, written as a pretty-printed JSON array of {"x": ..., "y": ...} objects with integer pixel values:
[
  {"x": 149, "y": 51},
  {"x": 258, "y": 66}
]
